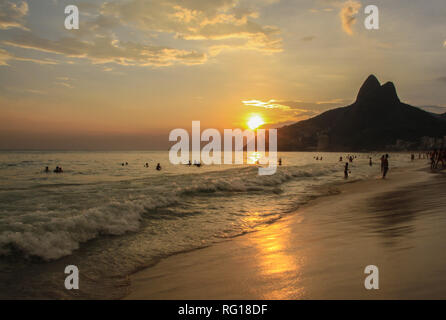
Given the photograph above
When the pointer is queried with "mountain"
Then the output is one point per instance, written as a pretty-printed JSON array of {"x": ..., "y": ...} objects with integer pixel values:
[{"x": 377, "y": 120}]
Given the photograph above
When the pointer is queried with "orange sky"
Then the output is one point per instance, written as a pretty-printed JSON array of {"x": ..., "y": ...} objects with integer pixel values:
[{"x": 137, "y": 69}]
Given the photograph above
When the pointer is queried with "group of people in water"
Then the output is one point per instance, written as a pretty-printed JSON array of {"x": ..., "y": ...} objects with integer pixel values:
[
  {"x": 158, "y": 166},
  {"x": 60, "y": 170},
  {"x": 197, "y": 164},
  {"x": 351, "y": 158},
  {"x": 146, "y": 165},
  {"x": 435, "y": 156},
  {"x": 57, "y": 170}
]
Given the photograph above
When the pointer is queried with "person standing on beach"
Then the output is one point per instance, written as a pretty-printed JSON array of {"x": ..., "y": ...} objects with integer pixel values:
[
  {"x": 346, "y": 171},
  {"x": 370, "y": 162},
  {"x": 382, "y": 163},
  {"x": 433, "y": 159},
  {"x": 385, "y": 165},
  {"x": 440, "y": 157}
]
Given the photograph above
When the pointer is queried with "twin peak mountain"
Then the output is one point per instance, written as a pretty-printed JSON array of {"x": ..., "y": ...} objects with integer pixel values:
[{"x": 377, "y": 120}]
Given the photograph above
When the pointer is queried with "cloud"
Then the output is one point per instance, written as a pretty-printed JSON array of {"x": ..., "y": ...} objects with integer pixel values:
[
  {"x": 313, "y": 105},
  {"x": 5, "y": 56},
  {"x": 64, "y": 84},
  {"x": 216, "y": 20},
  {"x": 271, "y": 104},
  {"x": 295, "y": 109},
  {"x": 348, "y": 14},
  {"x": 108, "y": 50},
  {"x": 296, "y": 104},
  {"x": 198, "y": 29},
  {"x": 12, "y": 14}
]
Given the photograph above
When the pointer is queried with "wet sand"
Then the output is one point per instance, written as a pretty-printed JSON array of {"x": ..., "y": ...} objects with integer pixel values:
[{"x": 320, "y": 251}]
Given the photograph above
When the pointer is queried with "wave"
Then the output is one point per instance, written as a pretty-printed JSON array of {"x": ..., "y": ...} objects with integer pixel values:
[
  {"x": 53, "y": 237},
  {"x": 247, "y": 180},
  {"x": 54, "y": 234}
]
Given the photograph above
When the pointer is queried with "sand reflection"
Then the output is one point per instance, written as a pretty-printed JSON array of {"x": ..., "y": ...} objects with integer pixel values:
[{"x": 275, "y": 264}]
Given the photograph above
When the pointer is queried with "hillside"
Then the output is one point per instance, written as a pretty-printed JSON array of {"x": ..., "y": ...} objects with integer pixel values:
[{"x": 376, "y": 120}]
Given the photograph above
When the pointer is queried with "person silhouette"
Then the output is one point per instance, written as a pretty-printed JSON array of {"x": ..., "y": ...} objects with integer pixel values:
[{"x": 385, "y": 165}]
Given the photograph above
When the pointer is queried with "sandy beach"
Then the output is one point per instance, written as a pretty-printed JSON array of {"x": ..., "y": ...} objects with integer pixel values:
[{"x": 320, "y": 251}]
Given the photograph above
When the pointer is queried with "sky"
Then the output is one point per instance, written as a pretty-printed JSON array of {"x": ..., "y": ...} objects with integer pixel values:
[{"x": 137, "y": 69}]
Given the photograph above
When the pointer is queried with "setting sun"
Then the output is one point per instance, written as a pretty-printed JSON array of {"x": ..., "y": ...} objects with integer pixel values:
[{"x": 255, "y": 121}]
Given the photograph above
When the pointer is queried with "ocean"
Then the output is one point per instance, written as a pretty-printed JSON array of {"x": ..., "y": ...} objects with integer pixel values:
[{"x": 112, "y": 220}]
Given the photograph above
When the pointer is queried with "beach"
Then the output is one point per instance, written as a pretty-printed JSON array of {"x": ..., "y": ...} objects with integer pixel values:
[
  {"x": 321, "y": 250},
  {"x": 217, "y": 231}
]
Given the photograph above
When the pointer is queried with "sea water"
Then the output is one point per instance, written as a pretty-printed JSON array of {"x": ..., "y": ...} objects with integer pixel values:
[{"x": 111, "y": 220}]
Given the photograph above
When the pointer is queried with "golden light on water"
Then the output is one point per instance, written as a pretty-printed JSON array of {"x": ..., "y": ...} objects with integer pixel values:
[
  {"x": 276, "y": 265},
  {"x": 255, "y": 121},
  {"x": 254, "y": 157}
]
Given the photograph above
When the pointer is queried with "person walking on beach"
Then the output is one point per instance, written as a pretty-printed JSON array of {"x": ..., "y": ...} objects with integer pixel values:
[
  {"x": 346, "y": 171},
  {"x": 440, "y": 157},
  {"x": 385, "y": 165},
  {"x": 433, "y": 159},
  {"x": 370, "y": 162}
]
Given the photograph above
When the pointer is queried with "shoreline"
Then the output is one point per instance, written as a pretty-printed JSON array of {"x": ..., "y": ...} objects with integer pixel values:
[{"x": 218, "y": 271}]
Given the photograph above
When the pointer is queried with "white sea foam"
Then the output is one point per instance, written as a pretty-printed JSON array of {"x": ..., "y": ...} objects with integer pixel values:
[{"x": 53, "y": 216}]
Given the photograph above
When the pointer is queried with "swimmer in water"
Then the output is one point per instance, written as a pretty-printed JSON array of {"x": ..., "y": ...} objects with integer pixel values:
[
  {"x": 58, "y": 169},
  {"x": 47, "y": 169}
]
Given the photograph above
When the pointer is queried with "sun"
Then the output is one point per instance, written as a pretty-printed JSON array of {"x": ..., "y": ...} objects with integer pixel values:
[{"x": 255, "y": 121}]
